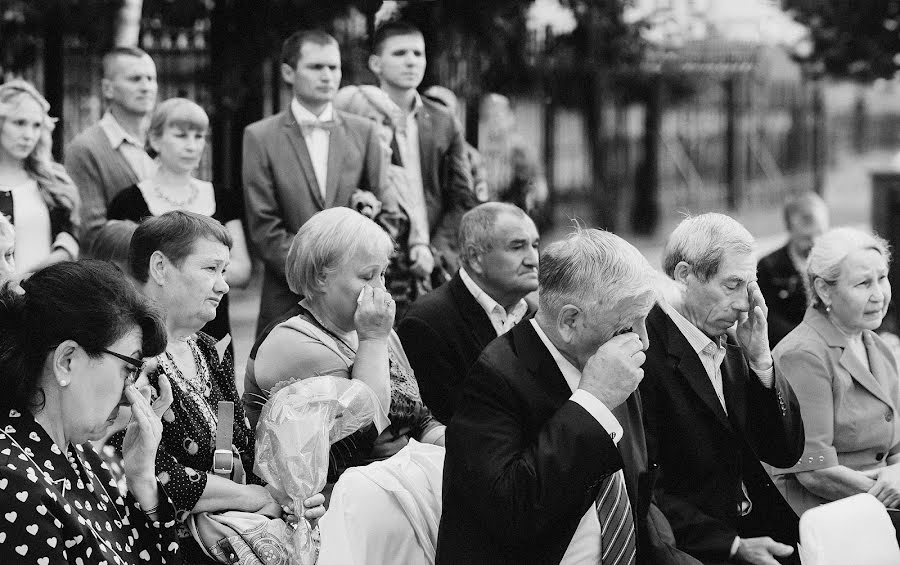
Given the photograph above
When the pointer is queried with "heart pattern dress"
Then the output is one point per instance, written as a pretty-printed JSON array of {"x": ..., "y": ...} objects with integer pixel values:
[{"x": 62, "y": 506}]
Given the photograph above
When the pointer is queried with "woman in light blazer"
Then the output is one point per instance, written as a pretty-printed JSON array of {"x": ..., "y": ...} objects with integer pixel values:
[{"x": 844, "y": 376}]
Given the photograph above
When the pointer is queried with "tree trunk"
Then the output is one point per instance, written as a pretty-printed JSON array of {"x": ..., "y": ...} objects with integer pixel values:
[{"x": 128, "y": 24}]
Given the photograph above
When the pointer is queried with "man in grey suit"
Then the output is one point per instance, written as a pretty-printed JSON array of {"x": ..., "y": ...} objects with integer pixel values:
[
  {"x": 430, "y": 144},
  {"x": 305, "y": 159}
]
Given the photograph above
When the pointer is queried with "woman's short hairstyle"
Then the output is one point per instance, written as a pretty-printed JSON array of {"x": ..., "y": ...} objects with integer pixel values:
[
  {"x": 90, "y": 302},
  {"x": 325, "y": 242},
  {"x": 702, "y": 241},
  {"x": 368, "y": 101},
  {"x": 826, "y": 259},
  {"x": 114, "y": 244},
  {"x": 55, "y": 185},
  {"x": 476, "y": 228},
  {"x": 174, "y": 235},
  {"x": 178, "y": 112},
  {"x": 590, "y": 268}
]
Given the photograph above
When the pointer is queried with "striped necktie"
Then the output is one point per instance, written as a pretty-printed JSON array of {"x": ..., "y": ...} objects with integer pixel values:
[{"x": 616, "y": 522}]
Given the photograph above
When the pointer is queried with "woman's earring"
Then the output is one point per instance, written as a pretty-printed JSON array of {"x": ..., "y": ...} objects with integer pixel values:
[
  {"x": 64, "y": 382},
  {"x": 828, "y": 308}
]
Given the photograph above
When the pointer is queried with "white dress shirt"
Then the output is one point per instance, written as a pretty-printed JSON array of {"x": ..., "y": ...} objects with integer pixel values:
[
  {"x": 500, "y": 319},
  {"x": 586, "y": 543},
  {"x": 131, "y": 148},
  {"x": 316, "y": 140},
  {"x": 408, "y": 143},
  {"x": 711, "y": 354}
]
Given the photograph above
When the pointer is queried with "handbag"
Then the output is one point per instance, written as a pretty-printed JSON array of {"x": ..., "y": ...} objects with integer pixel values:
[{"x": 234, "y": 536}]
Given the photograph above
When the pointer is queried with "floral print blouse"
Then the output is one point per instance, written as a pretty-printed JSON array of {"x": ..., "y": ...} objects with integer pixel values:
[{"x": 59, "y": 507}]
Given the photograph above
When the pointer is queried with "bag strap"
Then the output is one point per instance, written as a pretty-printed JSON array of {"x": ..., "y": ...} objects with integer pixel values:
[{"x": 223, "y": 458}]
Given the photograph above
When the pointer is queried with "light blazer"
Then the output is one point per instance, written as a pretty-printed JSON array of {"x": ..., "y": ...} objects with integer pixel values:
[
  {"x": 705, "y": 454},
  {"x": 443, "y": 333},
  {"x": 524, "y": 463},
  {"x": 446, "y": 177},
  {"x": 281, "y": 192},
  {"x": 849, "y": 412}
]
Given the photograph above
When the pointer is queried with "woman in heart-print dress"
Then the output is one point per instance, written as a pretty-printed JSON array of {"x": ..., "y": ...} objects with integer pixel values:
[{"x": 70, "y": 350}]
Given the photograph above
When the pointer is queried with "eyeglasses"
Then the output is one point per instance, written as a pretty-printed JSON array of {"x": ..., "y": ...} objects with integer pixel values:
[{"x": 133, "y": 371}]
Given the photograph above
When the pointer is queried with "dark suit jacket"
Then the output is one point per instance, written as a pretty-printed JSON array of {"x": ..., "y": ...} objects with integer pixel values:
[
  {"x": 524, "y": 463},
  {"x": 782, "y": 287},
  {"x": 281, "y": 192},
  {"x": 446, "y": 178},
  {"x": 443, "y": 333},
  {"x": 704, "y": 454}
]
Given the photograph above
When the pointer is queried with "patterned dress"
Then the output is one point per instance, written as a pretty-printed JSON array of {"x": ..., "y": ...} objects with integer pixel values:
[
  {"x": 189, "y": 439},
  {"x": 63, "y": 507}
]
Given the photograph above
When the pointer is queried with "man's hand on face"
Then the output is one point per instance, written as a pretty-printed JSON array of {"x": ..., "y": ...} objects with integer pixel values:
[
  {"x": 752, "y": 330},
  {"x": 614, "y": 372}
]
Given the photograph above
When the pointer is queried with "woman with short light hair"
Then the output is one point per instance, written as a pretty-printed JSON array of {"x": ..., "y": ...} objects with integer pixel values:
[{"x": 844, "y": 375}]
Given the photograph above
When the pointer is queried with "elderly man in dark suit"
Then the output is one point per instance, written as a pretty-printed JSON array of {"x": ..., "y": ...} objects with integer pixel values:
[
  {"x": 781, "y": 272},
  {"x": 546, "y": 460},
  {"x": 713, "y": 406},
  {"x": 430, "y": 143},
  {"x": 445, "y": 331},
  {"x": 306, "y": 159}
]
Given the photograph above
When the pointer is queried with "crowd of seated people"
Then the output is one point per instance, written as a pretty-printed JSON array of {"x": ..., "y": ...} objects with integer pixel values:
[{"x": 532, "y": 406}]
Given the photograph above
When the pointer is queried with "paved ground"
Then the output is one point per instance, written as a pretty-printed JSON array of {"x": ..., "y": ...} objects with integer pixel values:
[{"x": 847, "y": 191}]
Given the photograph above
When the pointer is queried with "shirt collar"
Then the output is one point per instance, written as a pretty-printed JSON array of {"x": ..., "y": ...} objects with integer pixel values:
[
  {"x": 417, "y": 104},
  {"x": 569, "y": 371},
  {"x": 489, "y": 304},
  {"x": 700, "y": 342},
  {"x": 115, "y": 133},
  {"x": 302, "y": 114}
]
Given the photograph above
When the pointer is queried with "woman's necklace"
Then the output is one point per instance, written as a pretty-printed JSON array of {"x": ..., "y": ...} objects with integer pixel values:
[
  {"x": 200, "y": 385},
  {"x": 194, "y": 191}
]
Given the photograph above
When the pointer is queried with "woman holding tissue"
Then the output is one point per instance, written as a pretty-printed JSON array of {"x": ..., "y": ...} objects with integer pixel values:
[{"x": 337, "y": 262}]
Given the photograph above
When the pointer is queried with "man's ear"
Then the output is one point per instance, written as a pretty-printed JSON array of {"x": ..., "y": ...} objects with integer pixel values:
[
  {"x": 473, "y": 259},
  {"x": 375, "y": 64},
  {"x": 682, "y": 272},
  {"x": 106, "y": 88},
  {"x": 158, "y": 267},
  {"x": 287, "y": 73},
  {"x": 567, "y": 322}
]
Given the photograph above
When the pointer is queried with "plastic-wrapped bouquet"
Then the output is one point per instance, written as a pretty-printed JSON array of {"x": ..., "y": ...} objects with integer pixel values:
[{"x": 296, "y": 428}]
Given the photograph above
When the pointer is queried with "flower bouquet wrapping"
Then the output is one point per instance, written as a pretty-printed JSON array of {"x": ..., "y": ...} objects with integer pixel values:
[{"x": 296, "y": 428}]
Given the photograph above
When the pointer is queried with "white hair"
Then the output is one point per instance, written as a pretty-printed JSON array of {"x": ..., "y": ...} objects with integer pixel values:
[
  {"x": 702, "y": 241},
  {"x": 325, "y": 241},
  {"x": 591, "y": 267},
  {"x": 826, "y": 259}
]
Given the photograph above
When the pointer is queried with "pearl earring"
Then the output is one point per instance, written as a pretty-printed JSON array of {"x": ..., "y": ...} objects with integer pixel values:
[
  {"x": 828, "y": 308},
  {"x": 63, "y": 383}
]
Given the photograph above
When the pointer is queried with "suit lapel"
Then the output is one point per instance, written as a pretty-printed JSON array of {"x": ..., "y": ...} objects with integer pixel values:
[
  {"x": 537, "y": 358},
  {"x": 734, "y": 370},
  {"x": 472, "y": 312},
  {"x": 295, "y": 136},
  {"x": 336, "y": 145},
  {"x": 884, "y": 373},
  {"x": 853, "y": 365},
  {"x": 692, "y": 370},
  {"x": 426, "y": 143}
]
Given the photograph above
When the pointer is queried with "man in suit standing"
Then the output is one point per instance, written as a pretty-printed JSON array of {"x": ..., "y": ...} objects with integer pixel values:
[
  {"x": 305, "y": 159},
  {"x": 713, "y": 406},
  {"x": 445, "y": 331},
  {"x": 430, "y": 144},
  {"x": 109, "y": 156},
  {"x": 781, "y": 272},
  {"x": 548, "y": 420}
]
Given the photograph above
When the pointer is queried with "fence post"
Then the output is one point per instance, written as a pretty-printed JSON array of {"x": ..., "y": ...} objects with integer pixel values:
[
  {"x": 549, "y": 107},
  {"x": 735, "y": 155},
  {"x": 54, "y": 75},
  {"x": 645, "y": 208},
  {"x": 818, "y": 138}
]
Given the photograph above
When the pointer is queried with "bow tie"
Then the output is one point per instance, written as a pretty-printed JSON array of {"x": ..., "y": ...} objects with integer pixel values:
[{"x": 307, "y": 126}]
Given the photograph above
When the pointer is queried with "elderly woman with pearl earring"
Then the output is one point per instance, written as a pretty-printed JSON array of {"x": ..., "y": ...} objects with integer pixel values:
[{"x": 845, "y": 376}]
